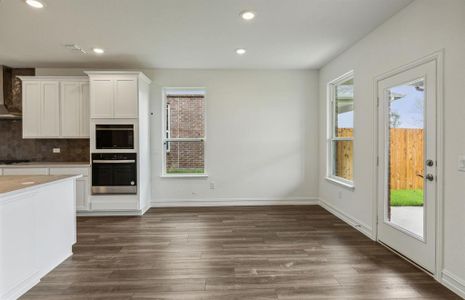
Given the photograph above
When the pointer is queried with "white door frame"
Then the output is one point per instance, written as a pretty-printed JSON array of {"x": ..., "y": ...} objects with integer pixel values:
[{"x": 437, "y": 57}]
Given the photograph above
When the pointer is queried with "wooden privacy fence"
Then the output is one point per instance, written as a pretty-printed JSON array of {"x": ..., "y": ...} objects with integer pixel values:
[
  {"x": 406, "y": 163},
  {"x": 344, "y": 154},
  {"x": 407, "y": 159}
]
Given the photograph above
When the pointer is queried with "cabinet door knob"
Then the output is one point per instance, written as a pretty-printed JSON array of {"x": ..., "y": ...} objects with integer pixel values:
[
  {"x": 430, "y": 163},
  {"x": 430, "y": 177}
]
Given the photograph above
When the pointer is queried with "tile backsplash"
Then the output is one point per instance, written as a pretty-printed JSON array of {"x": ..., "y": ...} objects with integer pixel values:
[
  {"x": 13, "y": 146},
  {"x": 13, "y": 92}
]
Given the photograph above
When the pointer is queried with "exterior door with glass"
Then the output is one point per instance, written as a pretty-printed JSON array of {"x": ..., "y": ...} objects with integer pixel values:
[{"x": 407, "y": 163}]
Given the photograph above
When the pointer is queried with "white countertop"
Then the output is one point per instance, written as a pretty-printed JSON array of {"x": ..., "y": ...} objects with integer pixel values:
[
  {"x": 13, "y": 184},
  {"x": 48, "y": 165}
]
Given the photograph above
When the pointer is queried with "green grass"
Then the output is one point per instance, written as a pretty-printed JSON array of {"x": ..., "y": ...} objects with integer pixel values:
[
  {"x": 185, "y": 171},
  {"x": 407, "y": 198}
]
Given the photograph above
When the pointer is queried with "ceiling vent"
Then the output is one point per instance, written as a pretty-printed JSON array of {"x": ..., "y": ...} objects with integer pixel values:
[{"x": 75, "y": 48}]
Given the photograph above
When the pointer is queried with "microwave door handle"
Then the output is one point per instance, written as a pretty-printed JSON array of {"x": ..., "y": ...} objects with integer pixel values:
[{"x": 122, "y": 161}]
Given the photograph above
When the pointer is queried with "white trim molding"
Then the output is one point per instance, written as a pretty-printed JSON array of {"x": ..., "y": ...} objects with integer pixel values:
[
  {"x": 355, "y": 223},
  {"x": 438, "y": 57},
  {"x": 453, "y": 282},
  {"x": 235, "y": 202},
  {"x": 178, "y": 91},
  {"x": 342, "y": 183},
  {"x": 331, "y": 137},
  {"x": 111, "y": 213}
]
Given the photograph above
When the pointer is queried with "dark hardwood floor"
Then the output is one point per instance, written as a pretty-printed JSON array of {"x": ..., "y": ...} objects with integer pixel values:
[{"x": 291, "y": 252}]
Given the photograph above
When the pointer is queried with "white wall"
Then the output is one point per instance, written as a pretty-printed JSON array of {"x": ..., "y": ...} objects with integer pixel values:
[
  {"x": 262, "y": 129},
  {"x": 262, "y": 136},
  {"x": 262, "y": 125},
  {"x": 422, "y": 28}
]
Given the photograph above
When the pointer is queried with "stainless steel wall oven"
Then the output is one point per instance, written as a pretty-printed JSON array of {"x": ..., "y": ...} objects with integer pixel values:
[{"x": 114, "y": 173}]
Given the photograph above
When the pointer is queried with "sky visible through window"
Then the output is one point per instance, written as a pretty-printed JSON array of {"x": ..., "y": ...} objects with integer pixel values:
[
  {"x": 345, "y": 98},
  {"x": 346, "y": 120},
  {"x": 408, "y": 109}
]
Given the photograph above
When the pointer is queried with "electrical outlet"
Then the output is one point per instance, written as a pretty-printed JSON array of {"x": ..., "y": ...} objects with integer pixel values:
[
  {"x": 56, "y": 150},
  {"x": 461, "y": 163},
  {"x": 212, "y": 185}
]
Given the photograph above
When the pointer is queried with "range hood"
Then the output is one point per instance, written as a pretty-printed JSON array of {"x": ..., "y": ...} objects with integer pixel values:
[{"x": 5, "y": 88}]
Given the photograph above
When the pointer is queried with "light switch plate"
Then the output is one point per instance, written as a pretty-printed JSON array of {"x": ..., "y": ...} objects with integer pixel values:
[
  {"x": 461, "y": 163},
  {"x": 56, "y": 150}
]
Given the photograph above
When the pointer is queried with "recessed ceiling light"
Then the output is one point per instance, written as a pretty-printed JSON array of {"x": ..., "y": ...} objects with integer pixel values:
[
  {"x": 241, "y": 51},
  {"x": 35, "y": 3},
  {"x": 247, "y": 15},
  {"x": 98, "y": 50}
]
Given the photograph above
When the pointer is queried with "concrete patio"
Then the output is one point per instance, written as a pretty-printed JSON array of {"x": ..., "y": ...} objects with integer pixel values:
[{"x": 408, "y": 217}]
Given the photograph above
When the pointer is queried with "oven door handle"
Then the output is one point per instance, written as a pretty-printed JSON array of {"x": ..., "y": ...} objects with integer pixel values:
[
  {"x": 121, "y": 161},
  {"x": 115, "y": 129}
]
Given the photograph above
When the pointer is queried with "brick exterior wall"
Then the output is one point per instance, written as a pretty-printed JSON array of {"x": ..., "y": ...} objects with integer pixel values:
[{"x": 186, "y": 121}]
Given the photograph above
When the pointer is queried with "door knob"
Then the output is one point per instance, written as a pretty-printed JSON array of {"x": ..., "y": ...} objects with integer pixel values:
[
  {"x": 430, "y": 163},
  {"x": 430, "y": 177}
]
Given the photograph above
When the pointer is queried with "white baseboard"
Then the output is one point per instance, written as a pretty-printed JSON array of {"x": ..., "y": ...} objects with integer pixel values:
[
  {"x": 235, "y": 202},
  {"x": 47, "y": 269},
  {"x": 109, "y": 213},
  {"x": 34, "y": 279},
  {"x": 453, "y": 282},
  {"x": 145, "y": 209},
  {"x": 360, "y": 226},
  {"x": 21, "y": 288}
]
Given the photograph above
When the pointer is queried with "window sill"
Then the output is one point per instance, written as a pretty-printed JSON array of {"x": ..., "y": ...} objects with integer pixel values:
[
  {"x": 347, "y": 185},
  {"x": 184, "y": 176}
]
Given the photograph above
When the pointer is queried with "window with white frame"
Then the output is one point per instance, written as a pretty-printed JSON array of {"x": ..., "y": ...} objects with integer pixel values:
[
  {"x": 341, "y": 129},
  {"x": 184, "y": 132}
]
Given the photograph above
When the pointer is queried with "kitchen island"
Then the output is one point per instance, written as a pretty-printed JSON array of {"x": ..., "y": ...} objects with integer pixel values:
[{"x": 37, "y": 228}]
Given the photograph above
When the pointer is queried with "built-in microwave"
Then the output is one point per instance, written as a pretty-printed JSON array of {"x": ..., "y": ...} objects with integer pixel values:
[{"x": 114, "y": 136}]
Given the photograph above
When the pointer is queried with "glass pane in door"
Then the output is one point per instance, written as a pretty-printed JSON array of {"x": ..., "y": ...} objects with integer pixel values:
[{"x": 405, "y": 207}]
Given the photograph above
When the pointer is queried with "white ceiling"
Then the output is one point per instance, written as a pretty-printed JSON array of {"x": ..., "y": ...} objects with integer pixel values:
[{"x": 286, "y": 34}]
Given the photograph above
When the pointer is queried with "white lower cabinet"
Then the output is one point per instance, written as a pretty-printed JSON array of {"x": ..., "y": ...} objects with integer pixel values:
[
  {"x": 82, "y": 199},
  {"x": 37, "y": 232},
  {"x": 82, "y": 184}
]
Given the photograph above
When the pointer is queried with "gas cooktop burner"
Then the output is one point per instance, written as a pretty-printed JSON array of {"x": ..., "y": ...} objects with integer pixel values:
[{"x": 13, "y": 161}]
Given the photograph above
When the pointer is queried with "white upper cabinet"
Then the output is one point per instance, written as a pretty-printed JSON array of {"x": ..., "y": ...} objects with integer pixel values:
[
  {"x": 31, "y": 109},
  {"x": 115, "y": 95},
  {"x": 126, "y": 98},
  {"x": 70, "y": 108},
  {"x": 102, "y": 95},
  {"x": 50, "y": 114},
  {"x": 41, "y": 109},
  {"x": 74, "y": 109},
  {"x": 84, "y": 129},
  {"x": 55, "y": 107}
]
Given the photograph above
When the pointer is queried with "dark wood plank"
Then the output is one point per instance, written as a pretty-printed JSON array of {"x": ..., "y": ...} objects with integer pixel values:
[{"x": 290, "y": 252}]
